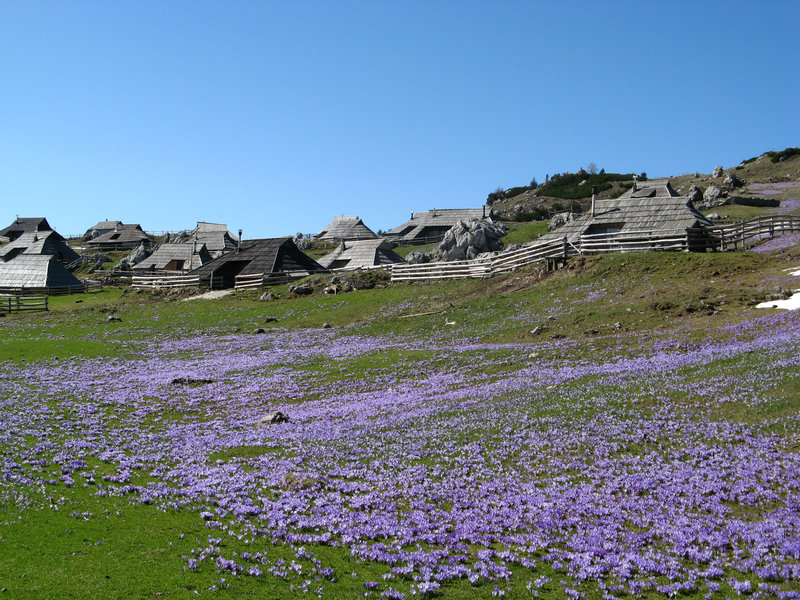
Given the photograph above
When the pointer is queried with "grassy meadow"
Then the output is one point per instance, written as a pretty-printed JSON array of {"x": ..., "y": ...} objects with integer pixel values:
[{"x": 626, "y": 427}]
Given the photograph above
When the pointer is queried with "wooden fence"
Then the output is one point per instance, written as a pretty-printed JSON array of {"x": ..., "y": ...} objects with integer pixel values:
[
  {"x": 47, "y": 291},
  {"x": 725, "y": 237},
  {"x": 257, "y": 280},
  {"x": 23, "y": 303},
  {"x": 164, "y": 281}
]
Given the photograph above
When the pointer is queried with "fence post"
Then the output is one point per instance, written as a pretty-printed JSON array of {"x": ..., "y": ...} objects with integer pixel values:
[{"x": 566, "y": 249}]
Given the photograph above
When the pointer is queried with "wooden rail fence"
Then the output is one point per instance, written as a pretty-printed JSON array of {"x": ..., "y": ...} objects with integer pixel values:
[
  {"x": 164, "y": 281},
  {"x": 11, "y": 304},
  {"x": 725, "y": 237}
]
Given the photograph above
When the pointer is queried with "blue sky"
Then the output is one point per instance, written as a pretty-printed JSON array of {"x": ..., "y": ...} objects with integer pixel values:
[{"x": 274, "y": 117}]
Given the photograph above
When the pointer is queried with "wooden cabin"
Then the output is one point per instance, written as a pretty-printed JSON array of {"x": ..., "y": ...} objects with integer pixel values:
[
  {"x": 123, "y": 237},
  {"x": 650, "y": 206},
  {"x": 39, "y": 242},
  {"x": 24, "y": 225},
  {"x": 253, "y": 257},
  {"x": 36, "y": 273},
  {"x": 102, "y": 228},
  {"x": 175, "y": 257},
  {"x": 361, "y": 254},
  {"x": 433, "y": 224},
  {"x": 215, "y": 237},
  {"x": 346, "y": 228}
]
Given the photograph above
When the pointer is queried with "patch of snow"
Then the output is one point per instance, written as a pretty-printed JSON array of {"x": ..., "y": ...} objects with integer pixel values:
[{"x": 212, "y": 295}]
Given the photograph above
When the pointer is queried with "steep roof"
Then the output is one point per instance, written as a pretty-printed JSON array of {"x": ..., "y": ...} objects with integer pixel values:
[
  {"x": 35, "y": 271},
  {"x": 105, "y": 226},
  {"x": 654, "y": 205},
  {"x": 357, "y": 254},
  {"x": 439, "y": 219},
  {"x": 23, "y": 224},
  {"x": 268, "y": 255},
  {"x": 215, "y": 236},
  {"x": 191, "y": 255},
  {"x": 123, "y": 234},
  {"x": 346, "y": 228},
  {"x": 39, "y": 242}
]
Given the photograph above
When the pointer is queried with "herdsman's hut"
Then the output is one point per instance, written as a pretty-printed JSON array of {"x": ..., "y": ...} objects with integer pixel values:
[
  {"x": 121, "y": 238},
  {"x": 650, "y": 206},
  {"x": 24, "y": 224},
  {"x": 39, "y": 242},
  {"x": 102, "y": 228},
  {"x": 254, "y": 257},
  {"x": 361, "y": 254},
  {"x": 215, "y": 237},
  {"x": 36, "y": 273},
  {"x": 433, "y": 224},
  {"x": 346, "y": 228},
  {"x": 175, "y": 257}
]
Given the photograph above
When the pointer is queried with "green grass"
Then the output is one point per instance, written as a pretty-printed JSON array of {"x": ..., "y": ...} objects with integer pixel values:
[{"x": 524, "y": 232}]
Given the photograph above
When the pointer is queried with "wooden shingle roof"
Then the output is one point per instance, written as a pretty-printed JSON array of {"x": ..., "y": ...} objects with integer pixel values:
[
  {"x": 24, "y": 224},
  {"x": 123, "y": 234},
  {"x": 39, "y": 242},
  {"x": 35, "y": 271},
  {"x": 653, "y": 206},
  {"x": 346, "y": 228},
  {"x": 192, "y": 256},
  {"x": 268, "y": 255},
  {"x": 215, "y": 236},
  {"x": 360, "y": 254},
  {"x": 438, "y": 219}
]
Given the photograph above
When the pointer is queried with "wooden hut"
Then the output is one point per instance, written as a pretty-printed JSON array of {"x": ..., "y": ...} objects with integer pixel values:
[
  {"x": 123, "y": 237},
  {"x": 215, "y": 237},
  {"x": 650, "y": 206},
  {"x": 261, "y": 256},
  {"x": 39, "y": 242},
  {"x": 433, "y": 224},
  {"x": 175, "y": 257},
  {"x": 102, "y": 228},
  {"x": 23, "y": 225},
  {"x": 346, "y": 228},
  {"x": 36, "y": 273},
  {"x": 361, "y": 254}
]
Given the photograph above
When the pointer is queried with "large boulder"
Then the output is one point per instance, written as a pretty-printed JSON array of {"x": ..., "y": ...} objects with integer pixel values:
[
  {"x": 136, "y": 255},
  {"x": 418, "y": 258},
  {"x": 469, "y": 238},
  {"x": 695, "y": 195},
  {"x": 732, "y": 180},
  {"x": 718, "y": 171},
  {"x": 558, "y": 219},
  {"x": 712, "y": 197}
]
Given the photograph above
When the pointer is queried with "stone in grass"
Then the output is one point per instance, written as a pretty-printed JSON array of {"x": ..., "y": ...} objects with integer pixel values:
[
  {"x": 266, "y": 297},
  {"x": 538, "y": 329},
  {"x": 113, "y": 319},
  {"x": 270, "y": 319},
  {"x": 259, "y": 330},
  {"x": 326, "y": 325},
  {"x": 273, "y": 418}
]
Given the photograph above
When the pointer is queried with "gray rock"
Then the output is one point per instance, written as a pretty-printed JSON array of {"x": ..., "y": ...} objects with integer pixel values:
[
  {"x": 330, "y": 290},
  {"x": 732, "y": 180},
  {"x": 713, "y": 197},
  {"x": 113, "y": 319},
  {"x": 267, "y": 296},
  {"x": 326, "y": 325},
  {"x": 303, "y": 243},
  {"x": 301, "y": 289},
  {"x": 258, "y": 330},
  {"x": 137, "y": 255},
  {"x": 695, "y": 195},
  {"x": 717, "y": 173},
  {"x": 538, "y": 329},
  {"x": 418, "y": 258},
  {"x": 270, "y": 319},
  {"x": 559, "y": 219},
  {"x": 712, "y": 216},
  {"x": 273, "y": 418},
  {"x": 469, "y": 238}
]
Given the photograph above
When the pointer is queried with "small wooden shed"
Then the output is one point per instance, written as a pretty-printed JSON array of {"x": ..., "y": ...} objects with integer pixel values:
[
  {"x": 254, "y": 257},
  {"x": 361, "y": 254},
  {"x": 102, "y": 228},
  {"x": 433, "y": 224},
  {"x": 215, "y": 237},
  {"x": 346, "y": 228}
]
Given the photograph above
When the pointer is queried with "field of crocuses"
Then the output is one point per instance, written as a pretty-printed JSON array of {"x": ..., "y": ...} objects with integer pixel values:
[{"x": 645, "y": 466}]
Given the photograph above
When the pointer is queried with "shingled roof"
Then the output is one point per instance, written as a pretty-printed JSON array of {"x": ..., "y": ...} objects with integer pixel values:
[
  {"x": 360, "y": 254},
  {"x": 269, "y": 255},
  {"x": 24, "y": 224},
  {"x": 102, "y": 227},
  {"x": 435, "y": 223},
  {"x": 39, "y": 242},
  {"x": 175, "y": 257},
  {"x": 346, "y": 228},
  {"x": 35, "y": 272},
  {"x": 652, "y": 206},
  {"x": 124, "y": 236},
  {"x": 215, "y": 236}
]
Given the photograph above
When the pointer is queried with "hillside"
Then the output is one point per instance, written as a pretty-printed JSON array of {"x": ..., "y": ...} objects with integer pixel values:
[{"x": 535, "y": 203}]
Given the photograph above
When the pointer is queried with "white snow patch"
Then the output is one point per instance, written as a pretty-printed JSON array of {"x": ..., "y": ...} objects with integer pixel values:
[{"x": 212, "y": 295}]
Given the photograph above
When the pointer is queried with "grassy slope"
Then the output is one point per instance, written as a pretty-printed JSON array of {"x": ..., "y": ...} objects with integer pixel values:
[{"x": 133, "y": 551}]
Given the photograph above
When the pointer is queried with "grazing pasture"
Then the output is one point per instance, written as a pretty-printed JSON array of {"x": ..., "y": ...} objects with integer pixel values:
[{"x": 643, "y": 442}]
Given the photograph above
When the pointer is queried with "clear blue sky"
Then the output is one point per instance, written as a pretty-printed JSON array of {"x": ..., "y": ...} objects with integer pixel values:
[{"x": 274, "y": 117}]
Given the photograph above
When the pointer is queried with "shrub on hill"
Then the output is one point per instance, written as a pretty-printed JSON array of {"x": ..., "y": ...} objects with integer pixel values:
[
  {"x": 775, "y": 156},
  {"x": 569, "y": 185}
]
